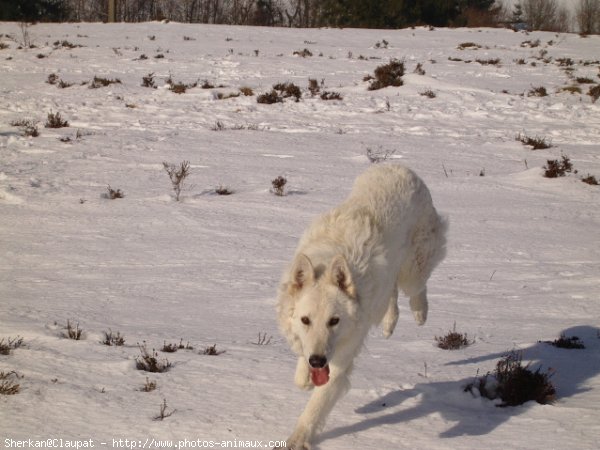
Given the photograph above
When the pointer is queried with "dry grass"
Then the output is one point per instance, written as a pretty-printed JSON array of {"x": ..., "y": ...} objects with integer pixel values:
[
  {"x": 73, "y": 331},
  {"x": 212, "y": 351},
  {"x": 10, "y": 344},
  {"x": 565, "y": 342},
  {"x": 538, "y": 143},
  {"x": 149, "y": 362},
  {"x": 110, "y": 338},
  {"x": 8, "y": 383}
]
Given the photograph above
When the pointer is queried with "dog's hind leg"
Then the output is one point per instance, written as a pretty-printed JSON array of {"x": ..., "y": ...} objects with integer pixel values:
[
  {"x": 419, "y": 306},
  {"x": 391, "y": 315}
]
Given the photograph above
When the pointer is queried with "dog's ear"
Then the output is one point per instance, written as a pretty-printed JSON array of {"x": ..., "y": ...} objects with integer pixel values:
[
  {"x": 340, "y": 276},
  {"x": 303, "y": 274}
]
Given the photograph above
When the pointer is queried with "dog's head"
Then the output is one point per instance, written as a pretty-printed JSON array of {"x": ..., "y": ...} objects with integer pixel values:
[{"x": 317, "y": 311}]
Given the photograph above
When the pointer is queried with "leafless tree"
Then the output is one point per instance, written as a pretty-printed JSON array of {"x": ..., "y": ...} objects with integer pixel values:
[
  {"x": 540, "y": 14},
  {"x": 587, "y": 16}
]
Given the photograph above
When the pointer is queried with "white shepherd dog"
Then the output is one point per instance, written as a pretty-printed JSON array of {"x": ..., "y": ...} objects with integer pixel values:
[{"x": 345, "y": 277}]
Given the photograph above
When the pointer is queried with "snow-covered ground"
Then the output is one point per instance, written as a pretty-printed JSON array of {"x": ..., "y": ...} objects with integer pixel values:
[{"x": 523, "y": 260}]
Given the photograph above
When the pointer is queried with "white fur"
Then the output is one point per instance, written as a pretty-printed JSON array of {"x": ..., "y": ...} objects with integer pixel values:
[{"x": 350, "y": 264}]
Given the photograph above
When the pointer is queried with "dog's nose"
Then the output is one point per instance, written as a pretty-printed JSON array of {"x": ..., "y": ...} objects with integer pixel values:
[{"x": 317, "y": 361}]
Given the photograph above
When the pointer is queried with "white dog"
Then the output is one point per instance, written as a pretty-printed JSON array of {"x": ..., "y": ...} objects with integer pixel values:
[{"x": 345, "y": 277}]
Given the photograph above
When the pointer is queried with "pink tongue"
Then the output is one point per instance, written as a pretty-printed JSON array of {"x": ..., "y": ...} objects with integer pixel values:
[{"x": 319, "y": 376}]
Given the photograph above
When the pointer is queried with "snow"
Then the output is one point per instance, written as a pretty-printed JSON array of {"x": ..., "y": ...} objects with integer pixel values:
[{"x": 523, "y": 261}]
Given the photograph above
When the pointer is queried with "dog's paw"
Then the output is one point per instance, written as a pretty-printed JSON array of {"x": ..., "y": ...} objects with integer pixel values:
[
  {"x": 294, "y": 443},
  {"x": 420, "y": 317}
]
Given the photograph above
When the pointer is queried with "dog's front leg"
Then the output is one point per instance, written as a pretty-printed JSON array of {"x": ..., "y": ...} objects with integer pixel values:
[
  {"x": 316, "y": 411},
  {"x": 302, "y": 377}
]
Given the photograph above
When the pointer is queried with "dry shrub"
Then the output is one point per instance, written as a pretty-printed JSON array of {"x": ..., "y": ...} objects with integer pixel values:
[
  {"x": 55, "y": 121},
  {"x": 515, "y": 384},
  {"x": 453, "y": 340},
  {"x": 177, "y": 175},
  {"x": 555, "y": 168},
  {"x": 10, "y": 344},
  {"x": 279, "y": 186},
  {"x": 388, "y": 75},
  {"x": 149, "y": 362},
  {"x": 570, "y": 343}
]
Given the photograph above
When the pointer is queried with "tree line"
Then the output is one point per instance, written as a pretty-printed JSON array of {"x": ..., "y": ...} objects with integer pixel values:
[{"x": 387, "y": 14}]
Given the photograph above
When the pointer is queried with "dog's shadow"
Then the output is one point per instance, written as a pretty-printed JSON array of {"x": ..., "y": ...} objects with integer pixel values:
[{"x": 477, "y": 416}]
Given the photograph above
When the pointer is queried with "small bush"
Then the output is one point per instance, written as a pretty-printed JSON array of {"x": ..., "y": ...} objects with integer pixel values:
[
  {"x": 279, "y": 186},
  {"x": 419, "y": 69},
  {"x": 584, "y": 80},
  {"x": 212, "y": 351},
  {"x": 8, "y": 385},
  {"x": 148, "y": 361},
  {"x": 538, "y": 143},
  {"x": 177, "y": 175},
  {"x": 99, "y": 82},
  {"x": 269, "y": 98},
  {"x": 178, "y": 88},
  {"x": 591, "y": 180},
  {"x": 28, "y": 127},
  {"x": 304, "y": 53},
  {"x": 469, "y": 46},
  {"x": 64, "y": 84},
  {"x": 379, "y": 155},
  {"x": 10, "y": 344},
  {"x": 169, "y": 348},
  {"x": 218, "y": 126},
  {"x": 556, "y": 168},
  {"x": 148, "y": 386},
  {"x": 207, "y": 85},
  {"x": 73, "y": 331},
  {"x": 246, "y": 91},
  {"x": 428, "y": 93},
  {"x": 327, "y": 95},
  {"x": 262, "y": 339},
  {"x": 572, "y": 342},
  {"x": 313, "y": 86},
  {"x": 382, "y": 44},
  {"x": 163, "y": 411},
  {"x": 52, "y": 78},
  {"x": 515, "y": 384},
  {"x": 223, "y": 190},
  {"x": 564, "y": 62},
  {"x": 571, "y": 89},
  {"x": 111, "y": 339},
  {"x": 388, "y": 75},
  {"x": 221, "y": 96},
  {"x": 113, "y": 194},
  {"x": 594, "y": 92},
  {"x": 148, "y": 81},
  {"x": 288, "y": 90},
  {"x": 531, "y": 44},
  {"x": 55, "y": 121},
  {"x": 453, "y": 340},
  {"x": 539, "y": 91},
  {"x": 489, "y": 62}
]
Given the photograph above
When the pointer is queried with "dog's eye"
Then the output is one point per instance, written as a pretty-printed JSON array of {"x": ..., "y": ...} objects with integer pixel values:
[
  {"x": 334, "y": 321},
  {"x": 305, "y": 320}
]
